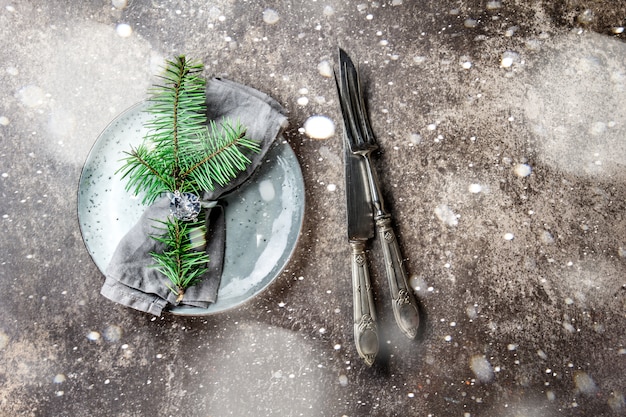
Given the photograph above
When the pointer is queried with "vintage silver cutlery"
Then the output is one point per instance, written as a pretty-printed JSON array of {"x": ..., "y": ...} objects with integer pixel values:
[
  {"x": 360, "y": 231},
  {"x": 360, "y": 140}
]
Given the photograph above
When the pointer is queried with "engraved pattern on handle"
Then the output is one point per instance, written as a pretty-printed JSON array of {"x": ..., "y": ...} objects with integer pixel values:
[
  {"x": 365, "y": 328},
  {"x": 404, "y": 304}
]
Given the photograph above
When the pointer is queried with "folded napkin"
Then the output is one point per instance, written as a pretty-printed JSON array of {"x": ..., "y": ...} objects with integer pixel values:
[{"x": 131, "y": 279}]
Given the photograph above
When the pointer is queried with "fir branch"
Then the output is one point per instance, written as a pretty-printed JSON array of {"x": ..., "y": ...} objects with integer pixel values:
[
  {"x": 143, "y": 176},
  {"x": 183, "y": 263},
  {"x": 184, "y": 153},
  {"x": 181, "y": 154},
  {"x": 223, "y": 155},
  {"x": 178, "y": 106}
]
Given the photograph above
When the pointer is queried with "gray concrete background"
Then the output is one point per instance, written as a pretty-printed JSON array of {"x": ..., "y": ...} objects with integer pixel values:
[{"x": 502, "y": 126}]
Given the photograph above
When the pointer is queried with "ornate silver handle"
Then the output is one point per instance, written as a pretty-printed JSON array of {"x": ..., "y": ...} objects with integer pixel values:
[
  {"x": 404, "y": 304},
  {"x": 365, "y": 329}
]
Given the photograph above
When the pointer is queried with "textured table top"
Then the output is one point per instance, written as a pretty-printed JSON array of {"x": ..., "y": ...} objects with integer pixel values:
[{"x": 503, "y": 160}]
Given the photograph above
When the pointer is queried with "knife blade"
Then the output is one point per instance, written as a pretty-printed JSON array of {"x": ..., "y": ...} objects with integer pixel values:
[{"x": 360, "y": 225}]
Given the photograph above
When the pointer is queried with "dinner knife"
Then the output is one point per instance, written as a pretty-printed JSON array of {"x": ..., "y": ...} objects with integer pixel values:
[{"x": 360, "y": 222}]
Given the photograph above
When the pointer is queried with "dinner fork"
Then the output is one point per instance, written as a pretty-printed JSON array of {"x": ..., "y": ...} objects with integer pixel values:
[{"x": 362, "y": 142}]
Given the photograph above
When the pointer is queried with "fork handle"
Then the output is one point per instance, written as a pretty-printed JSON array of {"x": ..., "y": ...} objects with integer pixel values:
[
  {"x": 404, "y": 304},
  {"x": 365, "y": 328}
]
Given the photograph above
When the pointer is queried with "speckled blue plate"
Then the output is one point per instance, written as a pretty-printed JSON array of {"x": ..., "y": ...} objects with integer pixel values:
[{"x": 264, "y": 216}]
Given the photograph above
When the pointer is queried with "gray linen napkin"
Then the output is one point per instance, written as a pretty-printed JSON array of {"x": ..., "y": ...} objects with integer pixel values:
[{"x": 130, "y": 278}]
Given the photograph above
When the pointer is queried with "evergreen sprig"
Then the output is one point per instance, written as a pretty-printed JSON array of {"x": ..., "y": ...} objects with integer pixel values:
[
  {"x": 181, "y": 154},
  {"x": 183, "y": 262}
]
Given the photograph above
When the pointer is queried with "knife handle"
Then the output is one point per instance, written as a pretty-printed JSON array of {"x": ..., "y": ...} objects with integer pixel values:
[
  {"x": 403, "y": 301},
  {"x": 365, "y": 329}
]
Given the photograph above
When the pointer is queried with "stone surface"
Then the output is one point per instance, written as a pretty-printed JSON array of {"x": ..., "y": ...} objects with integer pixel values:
[{"x": 502, "y": 127}]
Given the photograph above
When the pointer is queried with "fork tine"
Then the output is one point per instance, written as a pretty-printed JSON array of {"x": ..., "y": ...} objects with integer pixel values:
[
  {"x": 347, "y": 110},
  {"x": 352, "y": 130},
  {"x": 361, "y": 111}
]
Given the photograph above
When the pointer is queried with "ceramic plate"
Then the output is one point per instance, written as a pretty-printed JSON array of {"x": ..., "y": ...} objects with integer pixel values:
[{"x": 263, "y": 217}]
